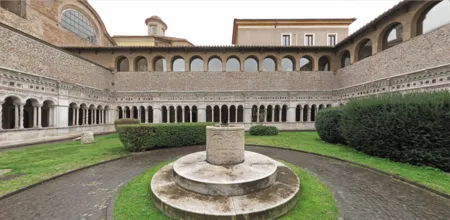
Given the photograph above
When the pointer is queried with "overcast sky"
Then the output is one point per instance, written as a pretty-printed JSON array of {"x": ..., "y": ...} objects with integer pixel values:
[{"x": 210, "y": 22}]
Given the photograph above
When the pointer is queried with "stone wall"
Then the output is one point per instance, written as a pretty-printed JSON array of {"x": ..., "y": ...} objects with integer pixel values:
[
  {"x": 421, "y": 52},
  {"x": 23, "y": 53},
  {"x": 224, "y": 81}
]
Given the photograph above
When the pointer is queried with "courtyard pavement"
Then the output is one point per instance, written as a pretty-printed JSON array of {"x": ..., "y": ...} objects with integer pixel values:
[{"x": 360, "y": 193}]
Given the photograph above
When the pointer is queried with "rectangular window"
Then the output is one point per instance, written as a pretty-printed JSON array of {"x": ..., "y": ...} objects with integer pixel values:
[
  {"x": 153, "y": 29},
  {"x": 331, "y": 39},
  {"x": 286, "y": 40},
  {"x": 309, "y": 40}
]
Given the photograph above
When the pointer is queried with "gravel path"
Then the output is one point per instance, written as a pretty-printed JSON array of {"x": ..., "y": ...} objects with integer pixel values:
[{"x": 361, "y": 193}]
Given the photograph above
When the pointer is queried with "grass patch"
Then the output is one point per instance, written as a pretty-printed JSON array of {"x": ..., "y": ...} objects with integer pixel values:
[
  {"x": 310, "y": 142},
  {"x": 38, "y": 163},
  {"x": 316, "y": 200}
]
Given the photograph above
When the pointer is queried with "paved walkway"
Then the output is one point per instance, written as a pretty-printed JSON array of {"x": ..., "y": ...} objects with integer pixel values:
[{"x": 361, "y": 194}]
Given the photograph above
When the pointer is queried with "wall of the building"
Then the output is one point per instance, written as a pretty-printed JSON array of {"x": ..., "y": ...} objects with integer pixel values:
[
  {"x": 269, "y": 35},
  {"x": 132, "y": 41},
  {"x": 22, "y": 53},
  {"x": 41, "y": 20}
]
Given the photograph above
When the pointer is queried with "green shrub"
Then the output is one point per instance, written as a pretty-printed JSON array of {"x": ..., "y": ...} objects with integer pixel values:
[
  {"x": 143, "y": 137},
  {"x": 412, "y": 128},
  {"x": 262, "y": 130},
  {"x": 328, "y": 125},
  {"x": 126, "y": 121}
]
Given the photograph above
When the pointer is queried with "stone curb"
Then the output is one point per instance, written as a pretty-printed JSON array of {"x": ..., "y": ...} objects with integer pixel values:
[
  {"x": 437, "y": 192},
  {"x": 57, "y": 176}
]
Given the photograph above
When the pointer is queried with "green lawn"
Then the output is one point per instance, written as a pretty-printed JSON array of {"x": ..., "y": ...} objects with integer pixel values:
[
  {"x": 310, "y": 142},
  {"x": 42, "y": 162},
  {"x": 315, "y": 202}
]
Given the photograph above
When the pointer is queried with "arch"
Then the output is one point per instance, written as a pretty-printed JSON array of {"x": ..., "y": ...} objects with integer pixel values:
[
  {"x": 142, "y": 114},
  {"x": 298, "y": 110},
  {"x": 233, "y": 115},
  {"x": 106, "y": 116},
  {"x": 313, "y": 112},
  {"x": 233, "y": 65},
  {"x": 75, "y": 22},
  {"x": 120, "y": 112},
  {"x": 329, "y": 105},
  {"x": 47, "y": 113},
  {"x": 171, "y": 114},
  {"x": 194, "y": 114},
  {"x": 277, "y": 114},
  {"x": 215, "y": 64},
  {"x": 122, "y": 64},
  {"x": 305, "y": 113},
  {"x": 432, "y": 16},
  {"x": 287, "y": 64},
  {"x": 178, "y": 64},
  {"x": 140, "y": 64},
  {"x": 72, "y": 113},
  {"x": 251, "y": 64},
  {"x": 10, "y": 109},
  {"x": 240, "y": 115},
  {"x": 159, "y": 64},
  {"x": 164, "y": 114},
  {"x": 30, "y": 113},
  {"x": 345, "y": 59},
  {"x": 261, "y": 113},
  {"x": 254, "y": 113},
  {"x": 209, "y": 112},
  {"x": 321, "y": 106},
  {"x": 306, "y": 63},
  {"x": 324, "y": 63},
  {"x": 187, "y": 114},
  {"x": 196, "y": 64},
  {"x": 284, "y": 113},
  {"x": 269, "y": 64},
  {"x": 269, "y": 113},
  {"x": 224, "y": 114},
  {"x": 150, "y": 114},
  {"x": 364, "y": 49},
  {"x": 391, "y": 36},
  {"x": 216, "y": 114},
  {"x": 179, "y": 114}
]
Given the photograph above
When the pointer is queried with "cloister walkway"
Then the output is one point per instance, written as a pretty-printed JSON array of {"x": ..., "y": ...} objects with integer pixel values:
[{"x": 90, "y": 193}]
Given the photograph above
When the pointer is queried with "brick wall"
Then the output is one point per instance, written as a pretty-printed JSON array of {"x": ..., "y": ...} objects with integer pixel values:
[
  {"x": 224, "y": 81},
  {"x": 23, "y": 53},
  {"x": 424, "y": 51}
]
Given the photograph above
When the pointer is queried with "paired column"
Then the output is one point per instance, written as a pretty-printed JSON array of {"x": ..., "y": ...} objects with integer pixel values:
[
  {"x": 39, "y": 116},
  {"x": 182, "y": 116},
  {"x": 21, "y": 116},
  {"x": 273, "y": 114},
  {"x": 146, "y": 115}
]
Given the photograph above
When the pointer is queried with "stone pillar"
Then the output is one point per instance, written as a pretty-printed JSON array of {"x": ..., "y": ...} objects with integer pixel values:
[
  {"x": 74, "y": 114},
  {"x": 146, "y": 115},
  {"x": 78, "y": 116},
  {"x": 39, "y": 116},
  {"x": 132, "y": 112},
  {"x": 273, "y": 114},
  {"x": 87, "y": 117},
  {"x": 301, "y": 114},
  {"x": 212, "y": 114},
  {"x": 291, "y": 114},
  {"x": 182, "y": 115},
  {"x": 229, "y": 110},
  {"x": 236, "y": 115},
  {"x": 168, "y": 115},
  {"x": 124, "y": 113},
  {"x": 247, "y": 115},
  {"x": 201, "y": 114},
  {"x": 94, "y": 122},
  {"x": 220, "y": 115},
  {"x": 257, "y": 114},
  {"x": 35, "y": 117},
  {"x": 16, "y": 116},
  {"x": 21, "y": 116},
  {"x": 225, "y": 145}
]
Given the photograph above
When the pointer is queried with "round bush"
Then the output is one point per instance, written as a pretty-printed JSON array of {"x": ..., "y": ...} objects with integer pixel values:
[
  {"x": 328, "y": 125},
  {"x": 262, "y": 130}
]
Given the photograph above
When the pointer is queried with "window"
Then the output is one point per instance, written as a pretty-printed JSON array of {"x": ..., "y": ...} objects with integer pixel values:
[
  {"x": 123, "y": 65},
  {"x": 286, "y": 40},
  {"x": 178, "y": 65},
  {"x": 251, "y": 65},
  {"x": 233, "y": 65},
  {"x": 309, "y": 39},
  {"x": 15, "y": 6},
  {"x": 345, "y": 59},
  {"x": 365, "y": 49},
  {"x": 215, "y": 65},
  {"x": 393, "y": 36},
  {"x": 75, "y": 22},
  {"x": 306, "y": 64},
  {"x": 287, "y": 64},
  {"x": 152, "y": 29},
  {"x": 140, "y": 65},
  {"x": 160, "y": 65},
  {"x": 197, "y": 65},
  {"x": 269, "y": 64},
  {"x": 324, "y": 64},
  {"x": 331, "y": 40}
]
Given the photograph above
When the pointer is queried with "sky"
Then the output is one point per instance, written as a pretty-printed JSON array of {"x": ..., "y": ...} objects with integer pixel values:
[{"x": 210, "y": 22}]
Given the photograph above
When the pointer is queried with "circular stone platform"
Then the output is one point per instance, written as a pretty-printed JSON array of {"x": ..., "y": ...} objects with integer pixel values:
[
  {"x": 268, "y": 203},
  {"x": 194, "y": 173}
]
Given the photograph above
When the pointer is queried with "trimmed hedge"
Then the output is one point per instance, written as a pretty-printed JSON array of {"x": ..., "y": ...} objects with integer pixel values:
[
  {"x": 327, "y": 125},
  {"x": 412, "y": 128},
  {"x": 262, "y": 130},
  {"x": 143, "y": 137},
  {"x": 126, "y": 121}
]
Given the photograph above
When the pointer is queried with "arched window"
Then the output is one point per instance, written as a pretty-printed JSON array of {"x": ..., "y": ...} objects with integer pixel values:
[
  {"x": 345, "y": 59},
  {"x": 365, "y": 49},
  {"x": 324, "y": 64},
  {"x": 287, "y": 64},
  {"x": 178, "y": 65},
  {"x": 197, "y": 65},
  {"x": 123, "y": 64},
  {"x": 306, "y": 64},
  {"x": 251, "y": 65},
  {"x": 393, "y": 36},
  {"x": 269, "y": 64},
  {"x": 140, "y": 64},
  {"x": 76, "y": 23},
  {"x": 160, "y": 65},
  {"x": 233, "y": 65},
  {"x": 436, "y": 16},
  {"x": 215, "y": 65}
]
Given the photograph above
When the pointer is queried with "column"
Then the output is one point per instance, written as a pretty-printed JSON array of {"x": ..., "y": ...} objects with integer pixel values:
[
  {"x": 273, "y": 114},
  {"x": 21, "y": 115},
  {"x": 74, "y": 114},
  {"x": 220, "y": 114},
  {"x": 85, "y": 116},
  {"x": 257, "y": 114},
  {"x": 182, "y": 116},
  {"x": 157, "y": 114},
  {"x": 39, "y": 116},
  {"x": 95, "y": 116},
  {"x": 236, "y": 115},
  {"x": 212, "y": 113},
  {"x": 132, "y": 112},
  {"x": 146, "y": 115},
  {"x": 168, "y": 115},
  {"x": 16, "y": 110},
  {"x": 176, "y": 115},
  {"x": 78, "y": 116},
  {"x": 1, "y": 116},
  {"x": 229, "y": 110},
  {"x": 301, "y": 113},
  {"x": 124, "y": 113},
  {"x": 35, "y": 116}
]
